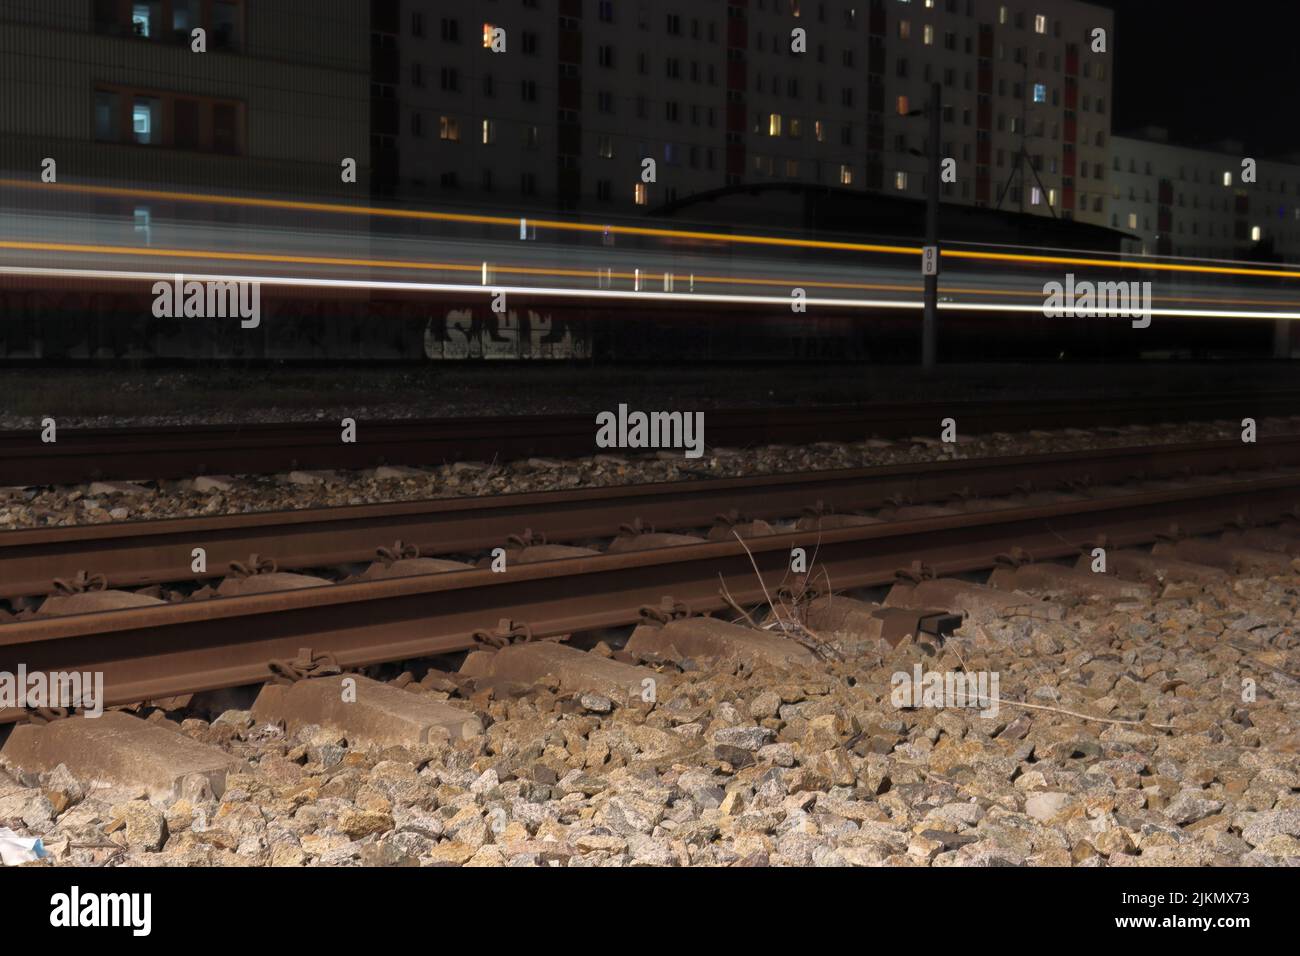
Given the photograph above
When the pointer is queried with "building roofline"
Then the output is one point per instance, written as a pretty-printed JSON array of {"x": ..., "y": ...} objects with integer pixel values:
[{"x": 1216, "y": 148}]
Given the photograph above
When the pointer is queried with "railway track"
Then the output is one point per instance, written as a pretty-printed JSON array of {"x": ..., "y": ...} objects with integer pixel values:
[
  {"x": 138, "y": 554},
  {"x": 81, "y": 455},
  {"x": 169, "y": 649}
]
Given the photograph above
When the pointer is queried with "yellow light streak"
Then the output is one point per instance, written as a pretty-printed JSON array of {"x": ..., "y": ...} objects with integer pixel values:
[{"x": 739, "y": 239}]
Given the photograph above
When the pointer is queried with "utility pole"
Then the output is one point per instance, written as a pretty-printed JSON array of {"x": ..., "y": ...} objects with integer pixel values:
[
  {"x": 929, "y": 322},
  {"x": 1024, "y": 129}
]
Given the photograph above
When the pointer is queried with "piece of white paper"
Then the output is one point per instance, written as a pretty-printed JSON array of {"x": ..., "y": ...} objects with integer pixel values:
[{"x": 15, "y": 849}]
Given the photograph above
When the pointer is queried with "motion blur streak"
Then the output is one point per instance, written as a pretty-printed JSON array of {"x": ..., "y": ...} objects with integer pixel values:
[
  {"x": 343, "y": 209},
  {"x": 605, "y": 294}
]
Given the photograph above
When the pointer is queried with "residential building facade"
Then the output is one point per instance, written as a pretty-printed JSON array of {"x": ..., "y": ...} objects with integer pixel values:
[
  {"x": 579, "y": 94},
  {"x": 1198, "y": 202},
  {"x": 116, "y": 90}
]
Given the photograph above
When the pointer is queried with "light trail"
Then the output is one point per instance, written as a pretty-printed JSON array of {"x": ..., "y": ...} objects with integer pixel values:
[
  {"x": 503, "y": 269},
  {"x": 740, "y": 239},
  {"x": 602, "y": 294}
]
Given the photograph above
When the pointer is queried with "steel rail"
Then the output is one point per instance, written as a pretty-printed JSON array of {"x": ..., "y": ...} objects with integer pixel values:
[
  {"x": 153, "y": 652},
  {"x": 137, "y": 553},
  {"x": 81, "y": 455}
]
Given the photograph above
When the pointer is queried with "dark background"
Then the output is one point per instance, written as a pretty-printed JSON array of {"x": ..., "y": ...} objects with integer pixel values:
[{"x": 1209, "y": 71}]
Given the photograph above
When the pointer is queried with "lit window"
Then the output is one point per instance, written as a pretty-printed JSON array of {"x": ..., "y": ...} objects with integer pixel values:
[
  {"x": 142, "y": 19},
  {"x": 141, "y": 123},
  {"x": 1035, "y": 196},
  {"x": 449, "y": 128},
  {"x": 774, "y": 125},
  {"x": 1132, "y": 220},
  {"x": 489, "y": 132},
  {"x": 1040, "y": 23},
  {"x": 1002, "y": 14},
  {"x": 1255, "y": 233},
  {"x": 904, "y": 29},
  {"x": 900, "y": 180},
  {"x": 819, "y": 130},
  {"x": 927, "y": 35},
  {"x": 903, "y": 108},
  {"x": 846, "y": 175},
  {"x": 605, "y": 147},
  {"x": 1051, "y": 197},
  {"x": 144, "y": 120},
  {"x": 1040, "y": 92},
  {"x": 1227, "y": 179},
  {"x": 487, "y": 35},
  {"x": 640, "y": 194}
]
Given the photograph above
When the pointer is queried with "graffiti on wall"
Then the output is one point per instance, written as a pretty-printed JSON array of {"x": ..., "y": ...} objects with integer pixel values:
[{"x": 468, "y": 334}]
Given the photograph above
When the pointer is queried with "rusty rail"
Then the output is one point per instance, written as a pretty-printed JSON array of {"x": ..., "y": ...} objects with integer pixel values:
[
  {"x": 153, "y": 652},
  {"x": 131, "y": 554}
]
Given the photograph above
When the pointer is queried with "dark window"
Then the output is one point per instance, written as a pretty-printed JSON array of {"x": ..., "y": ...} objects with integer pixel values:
[
  {"x": 106, "y": 16},
  {"x": 226, "y": 20},
  {"x": 108, "y": 107},
  {"x": 187, "y": 133},
  {"x": 225, "y": 133}
]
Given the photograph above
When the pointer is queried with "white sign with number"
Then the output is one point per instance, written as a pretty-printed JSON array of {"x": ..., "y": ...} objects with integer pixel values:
[{"x": 929, "y": 260}]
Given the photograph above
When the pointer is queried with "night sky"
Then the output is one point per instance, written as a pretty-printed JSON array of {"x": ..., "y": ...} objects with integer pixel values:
[{"x": 1209, "y": 71}]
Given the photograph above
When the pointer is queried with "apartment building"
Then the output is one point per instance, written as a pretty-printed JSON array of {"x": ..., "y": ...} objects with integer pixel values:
[
  {"x": 718, "y": 93},
  {"x": 1185, "y": 201},
  {"x": 114, "y": 90}
]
